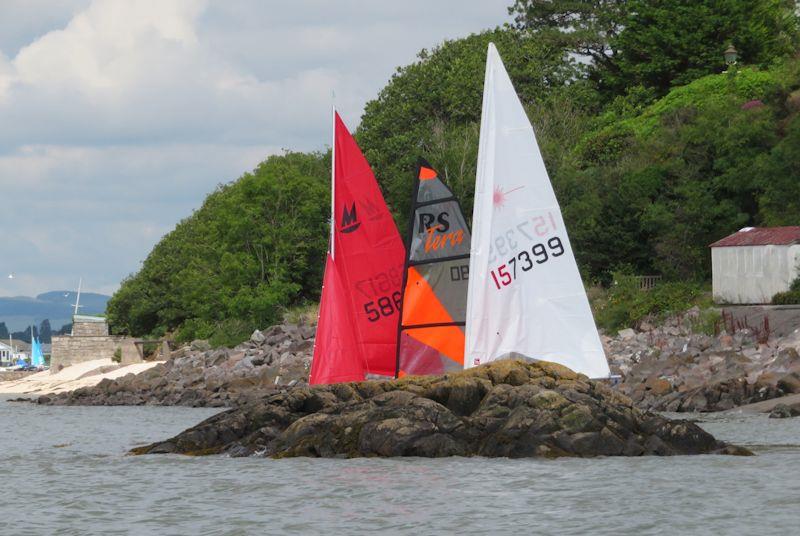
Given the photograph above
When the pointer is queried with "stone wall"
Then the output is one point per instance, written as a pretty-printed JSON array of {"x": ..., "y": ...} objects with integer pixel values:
[
  {"x": 89, "y": 329},
  {"x": 68, "y": 350}
]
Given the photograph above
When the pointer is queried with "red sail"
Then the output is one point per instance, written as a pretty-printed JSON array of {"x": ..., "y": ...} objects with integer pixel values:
[
  {"x": 336, "y": 354},
  {"x": 367, "y": 254}
]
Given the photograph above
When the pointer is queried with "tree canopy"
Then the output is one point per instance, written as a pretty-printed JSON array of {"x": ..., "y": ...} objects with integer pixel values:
[{"x": 660, "y": 44}]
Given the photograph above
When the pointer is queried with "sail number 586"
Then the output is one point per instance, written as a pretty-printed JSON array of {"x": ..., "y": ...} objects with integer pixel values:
[
  {"x": 538, "y": 254},
  {"x": 383, "y": 306}
]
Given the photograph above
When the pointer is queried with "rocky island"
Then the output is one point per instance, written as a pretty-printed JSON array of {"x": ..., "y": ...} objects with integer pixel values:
[{"x": 507, "y": 408}]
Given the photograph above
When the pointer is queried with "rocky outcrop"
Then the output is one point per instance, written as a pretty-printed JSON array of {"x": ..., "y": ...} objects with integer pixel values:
[
  {"x": 508, "y": 408},
  {"x": 197, "y": 375},
  {"x": 673, "y": 368},
  {"x": 785, "y": 411}
]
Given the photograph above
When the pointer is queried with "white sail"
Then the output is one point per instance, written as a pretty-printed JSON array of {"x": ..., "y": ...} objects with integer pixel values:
[{"x": 525, "y": 292}]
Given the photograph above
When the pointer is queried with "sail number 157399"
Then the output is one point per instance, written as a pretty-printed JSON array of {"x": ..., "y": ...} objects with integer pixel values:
[{"x": 525, "y": 260}]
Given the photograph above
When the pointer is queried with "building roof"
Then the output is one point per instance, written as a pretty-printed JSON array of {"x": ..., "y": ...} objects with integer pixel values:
[
  {"x": 761, "y": 236},
  {"x": 19, "y": 345}
]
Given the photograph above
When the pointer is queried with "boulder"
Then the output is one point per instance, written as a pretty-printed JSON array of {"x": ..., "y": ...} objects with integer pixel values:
[
  {"x": 200, "y": 345},
  {"x": 784, "y": 411},
  {"x": 789, "y": 383},
  {"x": 508, "y": 408},
  {"x": 257, "y": 337},
  {"x": 627, "y": 334}
]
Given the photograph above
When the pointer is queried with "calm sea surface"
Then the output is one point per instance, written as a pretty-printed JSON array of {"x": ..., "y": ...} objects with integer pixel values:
[{"x": 63, "y": 470}]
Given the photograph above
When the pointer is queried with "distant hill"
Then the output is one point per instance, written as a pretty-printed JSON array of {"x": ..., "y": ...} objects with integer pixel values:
[{"x": 18, "y": 312}]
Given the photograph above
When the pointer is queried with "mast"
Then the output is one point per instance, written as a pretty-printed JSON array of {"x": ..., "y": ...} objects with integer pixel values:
[
  {"x": 333, "y": 190},
  {"x": 333, "y": 180},
  {"x": 77, "y": 303}
]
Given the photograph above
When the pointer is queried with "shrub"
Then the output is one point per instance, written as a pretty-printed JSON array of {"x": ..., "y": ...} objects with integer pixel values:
[
  {"x": 625, "y": 305},
  {"x": 790, "y": 297}
]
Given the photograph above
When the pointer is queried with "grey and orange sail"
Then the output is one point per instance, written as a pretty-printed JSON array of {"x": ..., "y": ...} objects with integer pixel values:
[{"x": 434, "y": 306}]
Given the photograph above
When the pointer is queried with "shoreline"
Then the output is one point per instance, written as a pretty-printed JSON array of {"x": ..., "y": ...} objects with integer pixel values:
[{"x": 86, "y": 374}]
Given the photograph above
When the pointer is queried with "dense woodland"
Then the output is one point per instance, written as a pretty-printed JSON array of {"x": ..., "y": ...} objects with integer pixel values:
[{"x": 654, "y": 146}]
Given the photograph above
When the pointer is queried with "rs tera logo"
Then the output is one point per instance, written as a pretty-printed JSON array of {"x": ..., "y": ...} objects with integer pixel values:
[{"x": 349, "y": 221}]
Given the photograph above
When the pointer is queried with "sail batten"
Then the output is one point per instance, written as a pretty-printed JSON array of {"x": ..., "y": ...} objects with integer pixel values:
[{"x": 525, "y": 292}]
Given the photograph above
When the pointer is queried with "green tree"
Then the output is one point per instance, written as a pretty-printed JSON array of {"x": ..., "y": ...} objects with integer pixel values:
[
  {"x": 667, "y": 43},
  {"x": 653, "y": 45},
  {"x": 779, "y": 203},
  {"x": 3, "y": 331},
  {"x": 431, "y": 107},
  {"x": 654, "y": 189},
  {"x": 584, "y": 27}
]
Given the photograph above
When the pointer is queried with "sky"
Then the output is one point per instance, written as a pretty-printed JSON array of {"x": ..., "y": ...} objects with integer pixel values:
[{"x": 118, "y": 117}]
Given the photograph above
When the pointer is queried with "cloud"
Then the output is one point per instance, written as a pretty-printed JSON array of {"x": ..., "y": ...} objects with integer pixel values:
[{"x": 119, "y": 117}]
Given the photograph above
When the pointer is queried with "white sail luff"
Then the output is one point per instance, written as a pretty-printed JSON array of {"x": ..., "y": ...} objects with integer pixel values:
[{"x": 525, "y": 295}]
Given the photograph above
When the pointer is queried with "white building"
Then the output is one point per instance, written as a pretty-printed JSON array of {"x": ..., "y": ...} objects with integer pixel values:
[
  {"x": 754, "y": 264},
  {"x": 9, "y": 354},
  {"x": 6, "y": 353}
]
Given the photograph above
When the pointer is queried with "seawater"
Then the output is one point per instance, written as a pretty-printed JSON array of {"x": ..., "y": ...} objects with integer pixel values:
[{"x": 64, "y": 470}]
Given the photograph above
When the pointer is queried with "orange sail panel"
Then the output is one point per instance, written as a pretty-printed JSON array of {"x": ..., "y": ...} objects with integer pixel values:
[
  {"x": 431, "y": 332},
  {"x": 336, "y": 354}
]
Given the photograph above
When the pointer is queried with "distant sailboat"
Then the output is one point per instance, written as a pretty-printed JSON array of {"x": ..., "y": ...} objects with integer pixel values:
[
  {"x": 431, "y": 334},
  {"x": 357, "y": 328},
  {"x": 525, "y": 293},
  {"x": 37, "y": 358}
]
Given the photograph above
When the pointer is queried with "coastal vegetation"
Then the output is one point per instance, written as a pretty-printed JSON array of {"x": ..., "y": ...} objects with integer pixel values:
[
  {"x": 790, "y": 297},
  {"x": 654, "y": 146},
  {"x": 624, "y": 304}
]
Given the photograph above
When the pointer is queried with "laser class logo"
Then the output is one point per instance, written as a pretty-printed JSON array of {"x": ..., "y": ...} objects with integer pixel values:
[
  {"x": 349, "y": 221},
  {"x": 500, "y": 198}
]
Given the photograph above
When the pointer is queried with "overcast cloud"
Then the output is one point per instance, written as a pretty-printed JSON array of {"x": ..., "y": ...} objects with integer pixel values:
[{"x": 117, "y": 117}]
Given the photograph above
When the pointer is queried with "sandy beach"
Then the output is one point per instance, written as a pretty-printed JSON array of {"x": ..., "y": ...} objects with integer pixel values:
[{"x": 84, "y": 374}]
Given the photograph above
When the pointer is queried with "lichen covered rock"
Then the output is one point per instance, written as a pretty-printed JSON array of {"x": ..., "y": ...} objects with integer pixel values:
[{"x": 508, "y": 408}]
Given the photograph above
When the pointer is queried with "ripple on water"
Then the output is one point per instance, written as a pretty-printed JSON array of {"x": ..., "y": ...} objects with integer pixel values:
[{"x": 89, "y": 486}]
